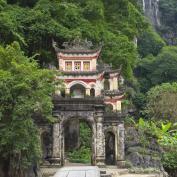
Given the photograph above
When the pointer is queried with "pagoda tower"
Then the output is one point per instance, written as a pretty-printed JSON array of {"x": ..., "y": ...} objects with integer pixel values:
[{"x": 85, "y": 75}]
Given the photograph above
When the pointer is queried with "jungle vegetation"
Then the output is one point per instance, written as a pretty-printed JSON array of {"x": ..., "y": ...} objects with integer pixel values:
[{"x": 26, "y": 85}]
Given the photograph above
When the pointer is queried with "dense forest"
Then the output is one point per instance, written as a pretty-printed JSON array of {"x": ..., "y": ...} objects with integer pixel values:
[{"x": 149, "y": 67}]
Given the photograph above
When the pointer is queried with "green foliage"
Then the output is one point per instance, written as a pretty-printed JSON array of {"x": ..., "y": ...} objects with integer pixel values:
[
  {"x": 122, "y": 53},
  {"x": 123, "y": 16},
  {"x": 167, "y": 139},
  {"x": 116, "y": 24},
  {"x": 152, "y": 71},
  {"x": 85, "y": 135},
  {"x": 150, "y": 42},
  {"x": 139, "y": 100},
  {"x": 83, "y": 153},
  {"x": 25, "y": 92},
  {"x": 161, "y": 102},
  {"x": 2, "y": 4},
  {"x": 94, "y": 10},
  {"x": 24, "y": 3}
]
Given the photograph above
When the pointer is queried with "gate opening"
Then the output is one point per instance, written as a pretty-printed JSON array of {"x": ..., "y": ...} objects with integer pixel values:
[
  {"x": 110, "y": 148},
  {"x": 78, "y": 142}
]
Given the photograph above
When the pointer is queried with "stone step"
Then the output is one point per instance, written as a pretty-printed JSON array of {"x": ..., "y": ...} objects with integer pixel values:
[
  {"x": 113, "y": 170},
  {"x": 102, "y": 172},
  {"x": 123, "y": 171},
  {"x": 140, "y": 175},
  {"x": 106, "y": 175},
  {"x": 47, "y": 172}
]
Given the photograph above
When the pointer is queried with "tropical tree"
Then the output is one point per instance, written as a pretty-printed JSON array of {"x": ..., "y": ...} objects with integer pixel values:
[
  {"x": 149, "y": 42},
  {"x": 161, "y": 102},
  {"x": 152, "y": 71},
  {"x": 25, "y": 91}
]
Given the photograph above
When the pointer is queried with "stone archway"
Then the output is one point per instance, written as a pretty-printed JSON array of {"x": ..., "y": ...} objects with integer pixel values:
[
  {"x": 96, "y": 122},
  {"x": 115, "y": 131},
  {"x": 46, "y": 143},
  {"x": 78, "y": 91}
]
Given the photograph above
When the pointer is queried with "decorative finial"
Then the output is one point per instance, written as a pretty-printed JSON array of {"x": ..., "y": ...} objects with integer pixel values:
[
  {"x": 54, "y": 44},
  {"x": 78, "y": 44}
]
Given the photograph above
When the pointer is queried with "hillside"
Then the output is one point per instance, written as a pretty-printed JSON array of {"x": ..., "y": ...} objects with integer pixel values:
[{"x": 138, "y": 35}]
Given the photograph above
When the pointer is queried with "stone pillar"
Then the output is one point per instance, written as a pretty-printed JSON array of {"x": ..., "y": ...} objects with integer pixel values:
[
  {"x": 100, "y": 143},
  {"x": 67, "y": 91},
  {"x": 111, "y": 84},
  {"x": 115, "y": 81},
  {"x": 56, "y": 148},
  {"x": 87, "y": 92},
  {"x": 57, "y": 91},
  {"x": 121, "y": 146}
]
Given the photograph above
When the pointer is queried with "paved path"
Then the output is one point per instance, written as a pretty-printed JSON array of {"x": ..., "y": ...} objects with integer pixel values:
[{"x": 49, "y": 172}]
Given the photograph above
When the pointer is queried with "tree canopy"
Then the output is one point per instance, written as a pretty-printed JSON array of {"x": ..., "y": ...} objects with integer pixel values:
[
  {"x": 34, "y": 24},
  {"x": 25, "y": 92},
  {"x": 152, "y": 70},
  {"x": 161, "y": 102}
]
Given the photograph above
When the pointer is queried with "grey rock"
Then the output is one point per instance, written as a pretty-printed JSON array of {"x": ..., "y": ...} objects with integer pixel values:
[{"x": 142, "y": 155}]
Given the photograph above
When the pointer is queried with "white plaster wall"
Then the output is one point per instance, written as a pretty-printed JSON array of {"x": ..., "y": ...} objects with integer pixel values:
[
  {"x": 98, "y": 87},
  {"x": 92, "y": 64},
  {"x": 118, "y": 106}
]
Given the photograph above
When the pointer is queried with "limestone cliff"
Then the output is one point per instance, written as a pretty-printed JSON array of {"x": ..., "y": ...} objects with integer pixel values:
[{"x": 151, "y": 10}]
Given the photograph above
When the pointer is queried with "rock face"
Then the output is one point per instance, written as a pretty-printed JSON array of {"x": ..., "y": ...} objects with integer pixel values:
[
  {"x": 151, "y": 10},
  {"x": 141, "y": 151}
]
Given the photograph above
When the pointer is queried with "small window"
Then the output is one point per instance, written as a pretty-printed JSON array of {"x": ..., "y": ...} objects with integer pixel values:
[
  {"x": 68, "y": 66},
  {"x": 92, "y": 92},
  {"x": 77, "y": 66},
  {"x": 86, "y": 66}
]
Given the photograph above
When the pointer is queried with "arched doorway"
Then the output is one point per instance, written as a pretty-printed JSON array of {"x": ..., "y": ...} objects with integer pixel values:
[
  {"x": 106, "y": 84},
  {"x": 46, "y": 145},
  {"x": 78, "y": 141},
  {"x": 92, "y": 92},
  {"x": 109, "y": 108},
  {"x": 78, "y": 91},
  {"x": 110, "y": 148}
]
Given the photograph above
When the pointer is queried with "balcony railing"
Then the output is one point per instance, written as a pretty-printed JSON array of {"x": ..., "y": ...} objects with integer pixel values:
[
  {"x": 77, "y": 104},
  {"x": 85, "y": 100},
  {"x": 113, "y": 92}
]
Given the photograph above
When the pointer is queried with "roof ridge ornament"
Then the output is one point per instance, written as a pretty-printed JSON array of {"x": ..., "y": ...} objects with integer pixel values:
[
  {"x": 78, "y": 44},
  {"x": 54, "y": 44}
]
